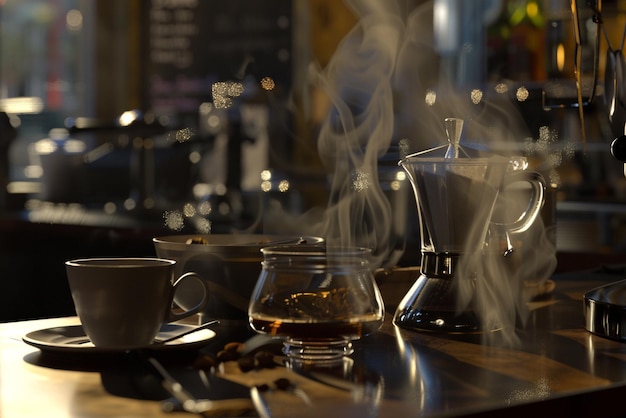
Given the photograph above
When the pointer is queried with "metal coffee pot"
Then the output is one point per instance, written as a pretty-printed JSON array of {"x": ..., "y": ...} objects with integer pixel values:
[{"x": 461, "y": 215}]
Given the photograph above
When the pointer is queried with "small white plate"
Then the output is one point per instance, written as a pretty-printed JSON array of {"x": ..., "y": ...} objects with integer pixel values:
[{"x": 73, "y": 339}]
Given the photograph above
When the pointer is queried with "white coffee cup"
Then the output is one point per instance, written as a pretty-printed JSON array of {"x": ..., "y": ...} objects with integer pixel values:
[{"x": 123, "y": 302}]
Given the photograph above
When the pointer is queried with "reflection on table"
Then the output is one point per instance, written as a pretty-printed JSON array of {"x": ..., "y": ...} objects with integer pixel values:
[{"x": 558, "y": 367}]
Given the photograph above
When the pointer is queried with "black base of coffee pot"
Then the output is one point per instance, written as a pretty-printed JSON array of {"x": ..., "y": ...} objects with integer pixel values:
[{"x": 432, "y": 302}]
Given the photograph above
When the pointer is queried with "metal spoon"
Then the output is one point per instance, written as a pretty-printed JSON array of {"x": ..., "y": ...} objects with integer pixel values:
[
  {"x": 186, "y": 332},
  {"x": 260, "y": 404}
]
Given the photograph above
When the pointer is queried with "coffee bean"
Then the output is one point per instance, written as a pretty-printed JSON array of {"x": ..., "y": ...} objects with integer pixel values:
[
  {"x": 282, "y": 383},
  {"x": 264, "y": 360},
  {"x": 233, "y": 347},
  {"x": 204, "y": 362},
  {"x": 263, "y": 387},
  {"x": 225, "y": 355},
  {"x": 246, "y": 363}
]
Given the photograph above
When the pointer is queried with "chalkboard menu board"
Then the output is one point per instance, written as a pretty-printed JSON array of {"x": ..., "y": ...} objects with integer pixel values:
[{"x": 188, "y": 45}]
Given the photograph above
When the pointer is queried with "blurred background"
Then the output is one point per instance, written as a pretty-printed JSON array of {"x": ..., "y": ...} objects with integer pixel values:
[{"x": 125, "y": 120}]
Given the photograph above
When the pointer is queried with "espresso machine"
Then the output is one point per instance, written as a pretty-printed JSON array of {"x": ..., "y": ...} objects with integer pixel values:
[{"x": 605, "y": 306}]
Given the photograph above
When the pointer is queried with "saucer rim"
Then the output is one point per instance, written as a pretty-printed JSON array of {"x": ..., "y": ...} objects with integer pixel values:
[{"x": 41, "y": 339}]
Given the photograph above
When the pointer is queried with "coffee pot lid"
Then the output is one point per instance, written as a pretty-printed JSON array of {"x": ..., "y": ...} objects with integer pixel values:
[
  {"x": 453, "y": 150},
  {"x": 454, "y": 129}
]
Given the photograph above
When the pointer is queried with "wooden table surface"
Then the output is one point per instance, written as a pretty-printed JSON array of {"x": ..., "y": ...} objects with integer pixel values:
[{"x": 557, "y": 368}]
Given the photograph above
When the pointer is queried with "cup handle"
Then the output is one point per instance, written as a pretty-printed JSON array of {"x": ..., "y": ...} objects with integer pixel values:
[{"x": 175, "y": 316}]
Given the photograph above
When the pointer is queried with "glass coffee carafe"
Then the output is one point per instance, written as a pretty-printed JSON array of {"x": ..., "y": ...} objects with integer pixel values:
[
  {"x": 318, "y": 299},
  {"x": 461, "y": 216}
]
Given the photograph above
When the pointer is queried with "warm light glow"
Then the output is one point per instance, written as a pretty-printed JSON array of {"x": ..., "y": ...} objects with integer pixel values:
[
  {"x": 267, "y": 83},
  {"x": 21, "y": 105},
  {"x": 201, "y": 190},
  {"x": 400, "y": 176},
  {"x": 266, "y": 186},
  {"x": 532, "y": 9},
  {"x": 128, "y": 117},
  {"x": 560, "y": 57},
  {"x": 33, "y": 171},
  {"x": 45, "y": 146},
  {"x": 74, "y": 146}
]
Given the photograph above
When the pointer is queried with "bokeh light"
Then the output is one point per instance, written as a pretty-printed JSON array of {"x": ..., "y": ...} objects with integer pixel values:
[
  {"x": 267, "y": 83},
  {"x": 110, "y": 208},
  {"x": 205, "y": 208},
  {"x": 431, "y": 98},
  {"x": 501, "y": 88},
  {"x": 195, "y": 157},
  {"x": 174, "y": 220},
  {"x": 182, "y": 135},
  {"x": 203, "y": 226},
  {"x": 189, "y": 210},
  {"x": 360, "y": 181},
  {"x": 74, "y": 20},
  {"x": 522, "y": 94},
  {"x": 130, "y": 204},
  {"x": 476, "y": 96},
  {"x": 283, "y": 186},
  {"x": 223, "y": 93}
]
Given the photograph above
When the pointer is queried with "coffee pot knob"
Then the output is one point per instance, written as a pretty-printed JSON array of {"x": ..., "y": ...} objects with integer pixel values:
[{"x": 454, "y": 128}]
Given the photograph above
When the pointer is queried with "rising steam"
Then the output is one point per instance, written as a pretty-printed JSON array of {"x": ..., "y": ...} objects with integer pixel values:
[
  {"x": 360, "y": 129},
  {"x": 386, "y": 88}
]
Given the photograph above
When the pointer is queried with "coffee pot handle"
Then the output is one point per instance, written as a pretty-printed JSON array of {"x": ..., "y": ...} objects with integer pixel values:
[
  {"x": 531, "y": 211},
  {"x": 537, "y": 199}
]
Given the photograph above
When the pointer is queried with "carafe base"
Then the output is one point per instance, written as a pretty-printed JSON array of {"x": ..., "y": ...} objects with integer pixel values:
[{"x": 431, "y": 305}]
